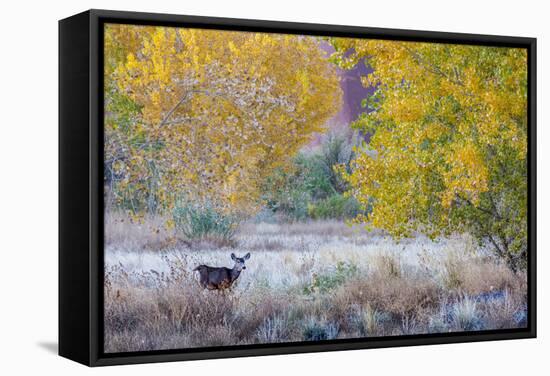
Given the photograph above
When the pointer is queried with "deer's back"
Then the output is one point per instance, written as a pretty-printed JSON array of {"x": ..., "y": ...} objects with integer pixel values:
[{"x": 214, "y": 278}]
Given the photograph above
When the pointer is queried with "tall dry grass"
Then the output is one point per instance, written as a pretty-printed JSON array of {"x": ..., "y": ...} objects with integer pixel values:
[{"x": 304, "y": 282}]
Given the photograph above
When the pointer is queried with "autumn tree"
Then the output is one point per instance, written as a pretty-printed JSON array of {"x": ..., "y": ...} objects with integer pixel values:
[
  {"x": 209, "y": 114},
  {"x": 449, "y": 145}
]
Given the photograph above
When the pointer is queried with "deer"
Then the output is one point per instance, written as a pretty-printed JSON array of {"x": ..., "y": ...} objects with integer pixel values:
[{"x": 221, "y": 278}]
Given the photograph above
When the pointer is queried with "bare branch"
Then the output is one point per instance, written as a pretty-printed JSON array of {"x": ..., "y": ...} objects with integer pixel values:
[{"x": 186, "y": 97}]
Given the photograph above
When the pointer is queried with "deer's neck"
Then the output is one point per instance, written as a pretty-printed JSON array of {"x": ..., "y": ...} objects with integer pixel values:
[{"x": 235, "y": 274}]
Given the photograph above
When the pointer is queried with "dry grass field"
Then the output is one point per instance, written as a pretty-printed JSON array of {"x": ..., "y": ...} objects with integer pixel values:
[{"x": 304, "y": 281}]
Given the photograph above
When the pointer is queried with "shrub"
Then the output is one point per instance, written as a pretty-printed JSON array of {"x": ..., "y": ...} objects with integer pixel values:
[
  {"x": 453, "y": 270},
  {"x": 322, "y": 283},
  {"x": 473, "y": 275},
  {"x": 336, "y": 206},
  {"x": 288, "y": 192},
  {"x": 397, "y": 296},
  {"x": 387, "y": 265},
  {"x": 320, "y": 330},
  {"x": 313, "y": 186},
  {"x": 466, "y": 316},
  {"x": 273, "y": 329},
  {"x": 438, "y": 323},
  {"x": 370, "y": 321},
  {"x": 503, "y": 309},
  {"x": 337, "y": 152},
  {"x": 199, "y": 222}
]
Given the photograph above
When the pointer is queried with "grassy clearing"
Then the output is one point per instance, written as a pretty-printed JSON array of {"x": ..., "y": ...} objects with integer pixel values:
[{"x": 305, "y": 281}]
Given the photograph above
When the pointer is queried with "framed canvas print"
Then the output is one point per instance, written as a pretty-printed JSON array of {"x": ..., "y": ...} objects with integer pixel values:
[{"x": 238, "y": 187}]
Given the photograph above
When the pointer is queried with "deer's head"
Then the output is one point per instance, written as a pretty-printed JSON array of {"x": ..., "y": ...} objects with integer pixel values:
[{"x": 239, "y": 261}]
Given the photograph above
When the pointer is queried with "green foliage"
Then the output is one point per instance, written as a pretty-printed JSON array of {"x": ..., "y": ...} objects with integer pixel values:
[
  {"x": 336, "y": 206},
  {"x": 337, "y": 154},
  {"x": 312, "y": 187},
  {"x": 290, "y": 192},
  {"x": 203, "y": 221},
  {"x": 285, "y": 193},
  {"x": 323, "y": 283},
  {"x": 123, "y": 111}
]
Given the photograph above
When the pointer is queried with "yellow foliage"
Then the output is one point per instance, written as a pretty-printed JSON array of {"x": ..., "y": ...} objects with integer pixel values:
[
  {"x": 449, "y": 131},
  {"x": 219, "y": 110}
]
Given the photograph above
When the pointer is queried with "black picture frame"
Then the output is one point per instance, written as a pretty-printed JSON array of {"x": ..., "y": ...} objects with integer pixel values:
[{"x": 81, "y": 190}]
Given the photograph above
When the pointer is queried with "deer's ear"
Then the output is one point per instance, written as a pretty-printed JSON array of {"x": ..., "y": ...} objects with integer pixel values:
[
  {"x": 233, "y": 257},
  {"x": 247, "y": 256}
]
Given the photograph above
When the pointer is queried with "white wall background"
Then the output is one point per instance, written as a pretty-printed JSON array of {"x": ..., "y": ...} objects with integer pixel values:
[{"x": 28, "y": 189}]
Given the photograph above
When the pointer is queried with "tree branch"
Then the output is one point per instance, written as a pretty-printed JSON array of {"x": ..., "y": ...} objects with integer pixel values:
[
  {"x": 186, "y": 97},
  {"x": 431, "y": 67},
  {"x": 480, "y": 208}
]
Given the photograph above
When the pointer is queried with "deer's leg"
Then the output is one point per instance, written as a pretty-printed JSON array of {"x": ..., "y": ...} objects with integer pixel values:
[{"x": 231, "y": 296}]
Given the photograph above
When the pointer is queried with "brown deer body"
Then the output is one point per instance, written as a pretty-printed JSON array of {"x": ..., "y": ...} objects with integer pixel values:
[{"x": 221, "y": 278}]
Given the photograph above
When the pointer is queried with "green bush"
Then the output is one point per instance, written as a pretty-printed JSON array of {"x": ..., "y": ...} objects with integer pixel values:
[
  {"x": 337, "y": 150},
  {"x": 203, "y": 221},
  {"x": 289, "y": 192},
  {"x": 325, "y": 282},
  {"x": 312, "y": 187},
  {"x": 336, "y": 206}
]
